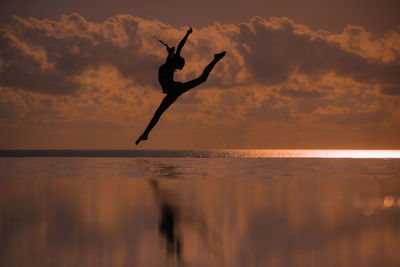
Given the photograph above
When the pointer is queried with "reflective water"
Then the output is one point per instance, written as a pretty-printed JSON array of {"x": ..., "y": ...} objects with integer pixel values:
[{"x": 199, "y": 212}]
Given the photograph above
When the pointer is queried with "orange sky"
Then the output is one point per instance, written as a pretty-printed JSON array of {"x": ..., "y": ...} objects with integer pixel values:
[{"x": 297, "y": 80}]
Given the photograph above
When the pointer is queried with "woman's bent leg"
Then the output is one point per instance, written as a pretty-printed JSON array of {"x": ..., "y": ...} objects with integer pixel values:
[{"x": 166, "y": 102}]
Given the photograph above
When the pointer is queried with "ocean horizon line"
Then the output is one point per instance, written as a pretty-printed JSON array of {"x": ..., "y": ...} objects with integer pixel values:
[{"x": 206, "y": 153}]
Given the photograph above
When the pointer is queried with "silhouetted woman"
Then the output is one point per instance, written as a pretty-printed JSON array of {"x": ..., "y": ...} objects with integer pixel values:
[{"x": 172, "y": 88}]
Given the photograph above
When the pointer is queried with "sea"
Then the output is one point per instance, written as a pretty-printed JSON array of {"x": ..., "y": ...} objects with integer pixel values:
[{"x": 199, "y": 208}]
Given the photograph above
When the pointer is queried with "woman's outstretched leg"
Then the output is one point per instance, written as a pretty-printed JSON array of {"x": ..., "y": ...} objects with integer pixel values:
[
  {"x": 166, "y": 102},
  {"x": 203, "y": 77}
]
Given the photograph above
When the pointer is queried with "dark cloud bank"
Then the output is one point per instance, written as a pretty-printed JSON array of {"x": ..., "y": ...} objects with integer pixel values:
[{"x": 47, "y": 56}]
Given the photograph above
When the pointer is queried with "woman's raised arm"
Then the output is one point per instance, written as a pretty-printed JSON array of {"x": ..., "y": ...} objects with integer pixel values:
[{"x": 182, "y": 42}]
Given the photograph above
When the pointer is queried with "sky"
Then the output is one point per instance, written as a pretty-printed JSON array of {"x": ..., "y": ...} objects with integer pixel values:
[{"x": 297, "y": 74}]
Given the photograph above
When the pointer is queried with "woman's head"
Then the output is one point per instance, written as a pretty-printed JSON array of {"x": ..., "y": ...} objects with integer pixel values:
[{"x": 179, "y": 62}]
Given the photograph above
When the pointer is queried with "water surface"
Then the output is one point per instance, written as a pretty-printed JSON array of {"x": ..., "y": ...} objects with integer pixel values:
[{"x": 199, "y": 211}]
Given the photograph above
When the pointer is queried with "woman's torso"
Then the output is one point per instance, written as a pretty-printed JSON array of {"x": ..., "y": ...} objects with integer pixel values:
[{"x": 166, "y": 77}]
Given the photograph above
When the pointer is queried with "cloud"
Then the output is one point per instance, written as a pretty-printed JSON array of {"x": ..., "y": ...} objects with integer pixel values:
[
  {"x": 301, "y": 93},
  {"x": 391, "y": 90},
  {"x": 47, "y": 56},
  {"x": 275, "y": 48}
]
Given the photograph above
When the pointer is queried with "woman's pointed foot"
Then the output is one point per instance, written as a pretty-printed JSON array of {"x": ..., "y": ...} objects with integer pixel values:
[
  {"x": 142, "y": 137},
  {"x": 219, "y": 56}
]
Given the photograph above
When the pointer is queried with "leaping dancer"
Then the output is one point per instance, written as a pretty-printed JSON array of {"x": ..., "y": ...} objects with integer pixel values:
[{"x": 172, "y": 88}]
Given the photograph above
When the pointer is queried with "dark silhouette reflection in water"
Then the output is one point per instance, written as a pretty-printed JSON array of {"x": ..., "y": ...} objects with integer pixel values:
[
  {"x": 168, "y": 222},
  {"x": 172, "y": 218}
]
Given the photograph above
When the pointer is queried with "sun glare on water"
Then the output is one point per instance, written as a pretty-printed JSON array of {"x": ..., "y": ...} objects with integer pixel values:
[{"x": 315, "y": 153}]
